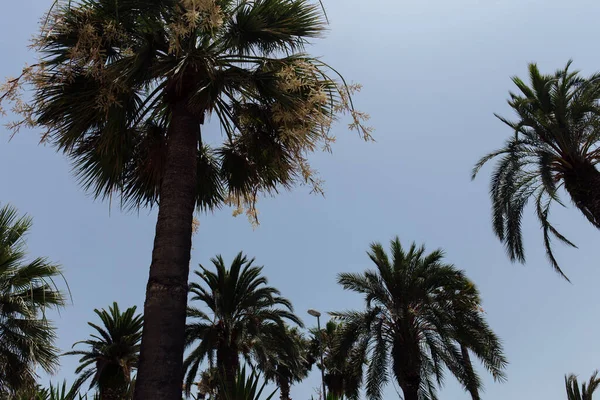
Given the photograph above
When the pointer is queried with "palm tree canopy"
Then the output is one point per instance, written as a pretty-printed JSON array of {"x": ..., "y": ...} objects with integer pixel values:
[
  {"x": 587, "y": 389},
  {"x": 27, "y": 288},
  {"x": 554, "y": 143},
  {"x": 246, "y": 316},
  {"x": 111, "y": 70},
  {"x": 112, "y": 351},
  {"x": 414, "y": 323}
]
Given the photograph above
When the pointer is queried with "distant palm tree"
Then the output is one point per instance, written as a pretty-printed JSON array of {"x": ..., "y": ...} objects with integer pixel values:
[
  {"x": 342, "y": 378},
  {"x": 245, "y": 317},
  {"x": 27, "y": 288},
  {"x": 112, "y": 352},
  {"x": 285, "y": 360},
  {"x": 572, "y": 386},
  {"x": 411, "y": 330},
  {"x": 125, "y": 89},
  {"x": 554, "y": 144}
]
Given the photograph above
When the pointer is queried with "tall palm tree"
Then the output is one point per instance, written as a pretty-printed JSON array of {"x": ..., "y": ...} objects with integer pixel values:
[
  {"x": 572, "y": 386},
  {"x": 409, "y": 331},
  {"x": 554, "y": 145},
  {"x": 112, "y": 352},
  {"x": 246, "y": 317},
  {"x": 27, "y": 288},
  {"x": 342, "y": 377},
  {"x": 123, "y": 89}
]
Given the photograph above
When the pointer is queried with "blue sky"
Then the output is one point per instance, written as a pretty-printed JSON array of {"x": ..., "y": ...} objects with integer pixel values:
[{"x": 433, "y": 73}]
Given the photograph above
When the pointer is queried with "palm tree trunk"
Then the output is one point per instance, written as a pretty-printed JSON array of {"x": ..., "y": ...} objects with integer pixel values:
[
  {"x": 160, "y": 373},
  {"x": 284, "y": 388},
  {"x": 583, "y": 185},
  {"x": 410, "y": 388},
  {"x": 228, "y": 364},
  {"x": 471, "y": 384}
]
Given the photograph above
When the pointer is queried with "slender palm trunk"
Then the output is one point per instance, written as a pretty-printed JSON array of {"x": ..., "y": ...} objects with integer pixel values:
[
  {"x": 471, "y": 383},
  {"x": 583, "y": 185},
  {"x": 284, "y": 388},
  {"x": 160, "y": 373}
]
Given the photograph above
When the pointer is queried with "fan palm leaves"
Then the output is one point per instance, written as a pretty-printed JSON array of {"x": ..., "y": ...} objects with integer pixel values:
[
  {"x": 246, "y": 318},
  {"x": 111, "y": 353},
  {"x": 553, "y": 146},
  {"x": 27, "y": 288},
  {"x": 410, "y": 330}
]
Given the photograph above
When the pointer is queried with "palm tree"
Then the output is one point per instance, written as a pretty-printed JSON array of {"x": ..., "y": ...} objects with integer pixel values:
[
  {"x": 342, "y": 378},
  {"x": 553, "y": 145},
  {"x": 27, "y": 288},
  {"x": 287, "y": 360},
  {"x": 410, "y": 325},
  {"x": 246, "y": 318},
  {"x": 112, "y": 352},
  {"x": 123, "y": 89},
  {"x": 572, "y": 386}
]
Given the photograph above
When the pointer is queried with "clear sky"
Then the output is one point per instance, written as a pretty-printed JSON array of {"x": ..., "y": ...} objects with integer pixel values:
[{"x": 433, "y": 73}]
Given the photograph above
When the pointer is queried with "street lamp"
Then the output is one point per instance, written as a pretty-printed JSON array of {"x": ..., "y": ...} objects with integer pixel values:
[{"x": 317, "y": 315}]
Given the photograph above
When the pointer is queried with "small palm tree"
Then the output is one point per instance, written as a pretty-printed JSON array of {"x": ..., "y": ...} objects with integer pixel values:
[
  {"x": 112, "y": 352},
  {"x": 411, "y": 330},
  {"x": 554, "y": 145},
  {"x": 125, "y": 89},
  {"x": 246, "y": 318},
  {"x": 587, "y": 390},
  {"x": 27, "y": 288}
]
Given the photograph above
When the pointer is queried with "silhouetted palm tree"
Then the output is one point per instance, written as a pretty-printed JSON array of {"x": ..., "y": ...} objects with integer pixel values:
[
  {"x": 411, "y": 330},
  {"x": 112, "y": 352},
  {"x": 246, "y": 318},
  {"x": 553, "y": 145},
  {"x": 27, "y": 288}
]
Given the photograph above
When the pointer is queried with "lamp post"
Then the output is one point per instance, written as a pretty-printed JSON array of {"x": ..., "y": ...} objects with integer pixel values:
[{"x": 317, "y": 314}]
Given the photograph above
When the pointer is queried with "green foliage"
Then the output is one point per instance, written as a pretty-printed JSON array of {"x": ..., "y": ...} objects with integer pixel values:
[
  {"x": 112, "y": 352},
  {"x": 419, "y": 312},
  {"x": 245, "y": 388},
  {"x": 246, "y": 318},
  {"x": 27, "y": 288},
  {"x": 587, "y": 389},
  {"x": 555, "y": 134}
]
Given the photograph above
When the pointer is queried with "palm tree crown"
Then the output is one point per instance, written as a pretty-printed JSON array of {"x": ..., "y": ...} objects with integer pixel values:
[
  {"x": 112, "y": 352},
  {"x": 26, "y": 289},
  {"x": 411, "y": 329},
  {"x": 554, "y": 145},
  {"x": 247, "y": 318},
  {"x": 587, "y": 389}
]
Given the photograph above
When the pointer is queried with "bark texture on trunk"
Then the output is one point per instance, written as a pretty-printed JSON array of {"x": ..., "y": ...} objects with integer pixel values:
[
  {"x": 583, "y": 185},
  {"x": 471, "y": 385},
  {"x": 160, "y": 372}
]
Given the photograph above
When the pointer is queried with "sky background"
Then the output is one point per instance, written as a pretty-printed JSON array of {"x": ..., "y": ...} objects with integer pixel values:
[{"x": 434, "y": 72}]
